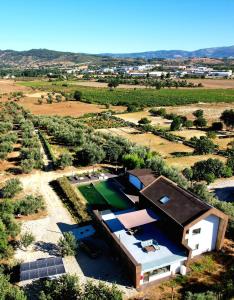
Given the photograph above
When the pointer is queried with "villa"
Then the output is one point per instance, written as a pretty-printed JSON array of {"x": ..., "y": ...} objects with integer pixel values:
[{"x": 165, "y": 228}]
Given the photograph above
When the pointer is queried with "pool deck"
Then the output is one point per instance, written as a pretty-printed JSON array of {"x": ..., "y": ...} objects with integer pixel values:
[{"x": 168, "y": 253}]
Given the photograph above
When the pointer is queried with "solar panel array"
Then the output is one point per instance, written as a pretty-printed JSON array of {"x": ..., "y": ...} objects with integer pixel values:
[{"x": 42, "y": 268}]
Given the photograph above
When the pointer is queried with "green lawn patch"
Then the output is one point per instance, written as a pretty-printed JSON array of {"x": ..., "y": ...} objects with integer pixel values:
[{"x": 91, "y": 195}]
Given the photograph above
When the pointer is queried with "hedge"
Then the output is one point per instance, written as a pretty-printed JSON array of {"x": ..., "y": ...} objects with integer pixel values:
[
  {"x": 72, "y": 199},
  {"x": 48, "y": 149}
]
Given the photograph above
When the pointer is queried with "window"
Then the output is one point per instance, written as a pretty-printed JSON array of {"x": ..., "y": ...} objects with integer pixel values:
[
  {"x": 196, "y": 247},
  {"x": 164, "y": 199},
  {"x": 196, "y": 231},
  {"x": 187, "y": 231},
  {"x": 160, "y": 271}
]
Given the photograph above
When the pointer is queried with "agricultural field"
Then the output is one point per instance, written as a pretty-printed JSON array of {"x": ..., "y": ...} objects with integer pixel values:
[
  {"x": 189, "y": 133},
  {"x": 212, "y": 111},
  {"x": 155, "y": 143},
  {"x": 136, "y": 116},
  {"x": 188, "y": 161},
  {"x": 144, "y": 97}
]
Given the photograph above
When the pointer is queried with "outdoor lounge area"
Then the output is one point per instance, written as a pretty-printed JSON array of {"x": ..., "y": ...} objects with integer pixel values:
[{"x": 148, "y": 245}]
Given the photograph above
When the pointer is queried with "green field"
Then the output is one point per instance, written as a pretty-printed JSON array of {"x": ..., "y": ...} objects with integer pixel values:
[
  {"x": 145, "y": 97},
  {"x": 104, "y": 193}
]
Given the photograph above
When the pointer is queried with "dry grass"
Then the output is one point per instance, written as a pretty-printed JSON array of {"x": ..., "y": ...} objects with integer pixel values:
[
  {"x": 189, "y": 133},
  {"x": 136, "y": 116},
  {"x": 223, "y": 143},
  {"x": 188, "y": 161},
  {"x": 212, "y": 111},
  {"x": 9, "y": 86},
  {"x": 155, "y": 143},
  {"x": 215, "y": 83},
  {"x": 67, "y": 108}
]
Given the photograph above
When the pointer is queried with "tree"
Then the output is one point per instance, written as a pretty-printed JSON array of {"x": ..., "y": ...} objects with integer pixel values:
[
  {"x": 188, "y": 124},
  {"x": 9, "y": 291},
  {"x": 67, "y": 244},
  {"x": 66, "y": 287},
  {"x": 176, "y": 124},
  {"x": 93, "y": 291},
  {"x": 209, "y": 170},
  {"x": 113, "y": 83},
  {"x": 90, "y": 154},
  {"x": 198, "y": 113},
  {"x": 203, "y": 145},
  {"x": 217, "y": 126},
  {"x": 27, "y": 239},
  {"x": 77, "y": 95},
  {"x": 27, "y": 165},
  {"x": 11, "y": 188},
  {"x": 144, "y": 121},
  {"x": 65, "y": 160},
  {"x": 228, "y": 118},
  {"x": 200, "y": 122},
  {"x": 132, "y": 161}
]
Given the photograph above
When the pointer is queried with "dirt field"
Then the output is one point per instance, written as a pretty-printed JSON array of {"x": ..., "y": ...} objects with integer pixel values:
[
  {"x": 188, "y": 161},
  {"x": 158, "y": 144},
  {"x": 215, "y": 83},
  {"x": 189, "y": 133},
  {"x": 212, "y": 111},
  {"x": 9, "y": 86},
  {"x": 136, "y": 116},
  {"x": 223, "y": 143},
  {"x": 68, "y": 108}
]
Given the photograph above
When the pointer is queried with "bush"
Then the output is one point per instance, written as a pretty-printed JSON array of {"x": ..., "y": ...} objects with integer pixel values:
[
  {"x": 27, "y": 239},
  {"x": 77, "y": 95},
  {"x": 73, "y": 200},
  {"x": 67, "y": 244},
  {"x": 209, "y": 170},
  {"x": 29, "y": 205},
  {"x": 144, "y": 121},
  {"x": 11, "y": 188},
  {"x": 203, "y": 145},
  {"x": 65, "y": 160},
  {"x": 217, "y": 126}
]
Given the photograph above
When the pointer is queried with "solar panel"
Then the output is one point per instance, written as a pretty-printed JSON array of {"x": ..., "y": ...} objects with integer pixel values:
[{"x": 42, "y": 268}]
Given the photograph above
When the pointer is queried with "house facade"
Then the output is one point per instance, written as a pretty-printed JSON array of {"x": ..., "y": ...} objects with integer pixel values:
[{"x": 165, "y": 229}]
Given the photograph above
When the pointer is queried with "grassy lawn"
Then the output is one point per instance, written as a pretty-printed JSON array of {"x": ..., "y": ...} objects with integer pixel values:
[
  {"x": 112, "y": 196},
  {"x": 146, "y": 97},
  {"x": 91, "y": 195},
  {"x": 103, "y": 193}
]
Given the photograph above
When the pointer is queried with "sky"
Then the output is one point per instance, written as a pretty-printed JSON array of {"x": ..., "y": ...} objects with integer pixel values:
[{"x": 117, "y": 26}]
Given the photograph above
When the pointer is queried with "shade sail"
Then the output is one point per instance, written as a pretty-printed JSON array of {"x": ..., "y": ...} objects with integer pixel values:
[{"x": 137, "y": 218}]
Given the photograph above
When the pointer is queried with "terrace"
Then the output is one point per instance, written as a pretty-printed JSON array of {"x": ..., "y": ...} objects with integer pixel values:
[{"x": 165, "y": 253}]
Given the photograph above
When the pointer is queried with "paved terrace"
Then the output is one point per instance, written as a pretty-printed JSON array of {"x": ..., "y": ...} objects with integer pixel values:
[{"x": 168, "y": 253}]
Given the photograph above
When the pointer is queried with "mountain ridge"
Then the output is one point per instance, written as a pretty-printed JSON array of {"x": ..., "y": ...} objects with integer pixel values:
[{"x": 213, "y": 52}]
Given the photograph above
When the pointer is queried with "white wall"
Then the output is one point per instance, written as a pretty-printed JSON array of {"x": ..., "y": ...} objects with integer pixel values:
[
  {"x": 174, "y": 268},
  {"x": 206, "y": 238},
  {"x": 136, "y": 182}
]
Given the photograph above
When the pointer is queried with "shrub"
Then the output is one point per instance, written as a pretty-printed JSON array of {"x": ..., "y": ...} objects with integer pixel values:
[
  {"x": 74, "y": 202},
  {"x": 144, "y": 121},
  {"x": 29, "y": 205},
  {"x": 65, "y": 160},
  {"x": 67, "y": 244},
  {"x": 77, "y": 95},
  {"x": 27, "y": 239},
  {"x": 11, "y": 188},
  {"x": 203, "y": 145},
  {"x": 217, "y": 126}
]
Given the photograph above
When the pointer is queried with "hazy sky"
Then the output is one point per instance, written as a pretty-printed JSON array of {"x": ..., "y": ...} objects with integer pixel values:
[{"x": 98, "y": 26}]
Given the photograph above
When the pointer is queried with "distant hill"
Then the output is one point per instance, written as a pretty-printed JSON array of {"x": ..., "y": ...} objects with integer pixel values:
[
  {"x": 217, "y": 52},
  {"x": 51, "y": 58},
  {"x": 44, "y": 57}
]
